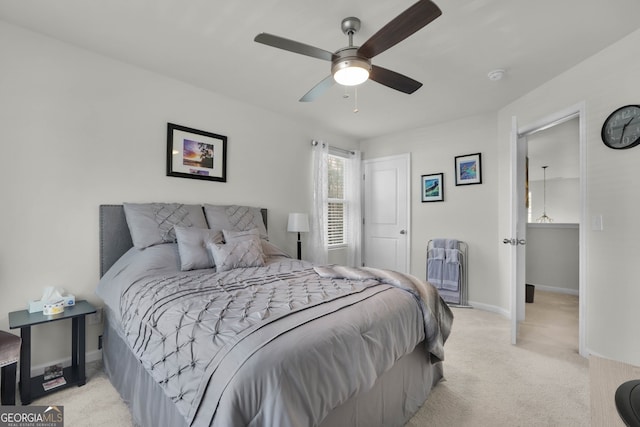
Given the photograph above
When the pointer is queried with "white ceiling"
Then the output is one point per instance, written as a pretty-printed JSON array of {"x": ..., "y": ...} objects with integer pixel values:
[{"x": 209, "y": 43}]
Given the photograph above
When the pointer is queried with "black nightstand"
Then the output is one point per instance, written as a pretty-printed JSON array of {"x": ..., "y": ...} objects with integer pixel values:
[{"x": 31, "y": 388}]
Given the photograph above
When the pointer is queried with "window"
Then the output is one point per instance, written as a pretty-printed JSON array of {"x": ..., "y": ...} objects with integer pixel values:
[{"x": 337, "y": 212}]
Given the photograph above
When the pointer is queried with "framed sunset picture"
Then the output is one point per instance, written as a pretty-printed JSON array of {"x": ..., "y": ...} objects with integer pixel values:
[
  {"x": 469, "y": 169},
  {"x": 197, "y": 154}
]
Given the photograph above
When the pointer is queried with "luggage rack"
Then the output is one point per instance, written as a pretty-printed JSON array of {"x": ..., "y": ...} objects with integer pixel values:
[{"x": 459, "y": 297}]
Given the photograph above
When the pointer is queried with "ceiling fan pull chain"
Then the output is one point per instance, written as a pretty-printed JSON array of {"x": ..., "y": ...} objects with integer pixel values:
[{"x": 355, "y": 97}]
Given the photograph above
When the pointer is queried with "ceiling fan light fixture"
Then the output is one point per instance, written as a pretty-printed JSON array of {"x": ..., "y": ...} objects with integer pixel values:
[{"x": 351, "y": 72}]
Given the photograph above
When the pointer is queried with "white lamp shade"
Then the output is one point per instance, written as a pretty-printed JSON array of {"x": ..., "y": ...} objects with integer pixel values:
[{"x": 298, "y": 222}]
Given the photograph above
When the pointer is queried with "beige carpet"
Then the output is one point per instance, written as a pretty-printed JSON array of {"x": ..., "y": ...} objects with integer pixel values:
[
  {"x": 489, "y": 382},
  {"x": 95, "y": 404}
]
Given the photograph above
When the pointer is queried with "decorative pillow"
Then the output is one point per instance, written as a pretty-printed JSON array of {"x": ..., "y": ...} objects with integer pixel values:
[
  {"x": 192, "y": 246},
  {"x": 239, "y": 254},
  {"x": 238, "y": 218},
  {"x": 152, "y": 223},
  {"x": 236, "y": 236},
  {"x": 268, "y": 249}
]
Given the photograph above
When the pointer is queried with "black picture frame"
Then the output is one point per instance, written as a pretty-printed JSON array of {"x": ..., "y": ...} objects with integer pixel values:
[
  {"x": 196, "y": 154},
  {"x": 469, "y": 169},
  {"x": 432, "y": 187}
]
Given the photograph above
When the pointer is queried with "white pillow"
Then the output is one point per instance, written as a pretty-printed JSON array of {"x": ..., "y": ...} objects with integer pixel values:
[{"x": 192, "y": 247}]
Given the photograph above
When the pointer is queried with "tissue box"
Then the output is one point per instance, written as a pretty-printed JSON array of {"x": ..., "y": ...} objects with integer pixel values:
[
  {"x": 51, "y": 308},
  {"x": 69, "y": 300},
  {"x": 38, "y": 305},
  {"x": 35, "y": 306}
]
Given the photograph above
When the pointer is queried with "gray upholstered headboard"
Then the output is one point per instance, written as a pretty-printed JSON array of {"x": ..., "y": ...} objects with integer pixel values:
[{"x": 115, "y": 239}]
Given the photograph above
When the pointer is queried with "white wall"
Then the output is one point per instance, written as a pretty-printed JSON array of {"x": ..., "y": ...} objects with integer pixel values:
[
  {"x": 469, "y": 212},
  {"x": 552, "y": 257},
  {"x": 562, "y": 196},
  {"x": 79, "y": 130},
  {"x": 612, "y": 269}
]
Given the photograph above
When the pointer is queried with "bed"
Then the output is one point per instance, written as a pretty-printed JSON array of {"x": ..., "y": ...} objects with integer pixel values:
[{"x": 255, "y": 337}]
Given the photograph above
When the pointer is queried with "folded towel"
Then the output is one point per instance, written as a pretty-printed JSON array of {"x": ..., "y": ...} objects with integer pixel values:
[
  {"x": 451, "y": 270},
  {"x": 439, "y": 243},
  {"x": 451, "y": 244},
  {"x": 437, "y": 253},
  {"x": 452, "y": 255},
  {"x": 435, "y": 263}
]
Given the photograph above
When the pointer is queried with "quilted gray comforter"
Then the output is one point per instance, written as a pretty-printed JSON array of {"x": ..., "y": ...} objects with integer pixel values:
[{"x": 330, "y": 332}]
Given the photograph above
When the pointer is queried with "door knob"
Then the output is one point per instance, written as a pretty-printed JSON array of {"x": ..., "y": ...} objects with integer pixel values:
[
  {"x": 403, "y": 231},
  {"x": 514, "y": 242}
]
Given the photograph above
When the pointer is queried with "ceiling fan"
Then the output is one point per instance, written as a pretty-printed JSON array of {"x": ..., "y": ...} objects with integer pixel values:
[{"x": 351, "y": 65}]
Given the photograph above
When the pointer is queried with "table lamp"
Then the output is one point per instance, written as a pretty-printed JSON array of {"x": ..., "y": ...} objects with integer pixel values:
[{"x": 298, "y": 223}]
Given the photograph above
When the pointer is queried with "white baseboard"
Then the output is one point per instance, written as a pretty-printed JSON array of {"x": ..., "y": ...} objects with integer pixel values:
[
  {"x": 492, "y": 308},
  {"x": 91, "y": 356},
  {"x": 507, "y": 313},
  {"x": 557, "y": 290}
]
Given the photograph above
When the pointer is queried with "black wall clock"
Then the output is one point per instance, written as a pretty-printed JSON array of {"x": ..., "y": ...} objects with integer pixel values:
[{"x": 622, "y": 128}]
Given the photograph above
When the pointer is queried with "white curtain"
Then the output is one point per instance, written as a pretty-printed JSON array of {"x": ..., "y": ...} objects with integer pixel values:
[
  {"x": 353, "y": 184},
  {"x": 318, "y": 224}
]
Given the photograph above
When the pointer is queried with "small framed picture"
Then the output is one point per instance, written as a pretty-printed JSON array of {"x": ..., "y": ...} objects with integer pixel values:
[
  {"x": 433, "y": 187},
  {"x": 197, "y": 154},
  {"x": 468, "y": 169}
]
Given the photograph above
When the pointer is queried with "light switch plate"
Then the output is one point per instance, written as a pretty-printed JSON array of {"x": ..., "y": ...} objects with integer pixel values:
[{"x": 596, "y": 223}]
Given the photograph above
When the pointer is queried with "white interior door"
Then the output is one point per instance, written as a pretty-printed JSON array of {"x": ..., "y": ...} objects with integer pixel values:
[
  {"x": 386, "y": 213},
  {"x": 518, "y": 228}
]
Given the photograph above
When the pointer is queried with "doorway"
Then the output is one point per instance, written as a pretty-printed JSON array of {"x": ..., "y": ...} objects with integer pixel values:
[
  {"x": 386, "y": 239},
  {"x": 552, "y": 238},
  {"x": 518, "y": 217}
]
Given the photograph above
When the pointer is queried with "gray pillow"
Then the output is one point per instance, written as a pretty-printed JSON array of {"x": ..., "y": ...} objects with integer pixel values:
[
  {"x": 236, "y": 236},
  {"x": 192, "y": 247},
  {"x": 238, "y": 218},
  {"x": 239, "y": 254},
  {"x": 152, "y": 223}
]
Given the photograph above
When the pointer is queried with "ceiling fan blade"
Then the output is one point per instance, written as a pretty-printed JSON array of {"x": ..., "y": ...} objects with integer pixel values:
[
  {"x": 293, "y": 46},
  {"x": 401, "y": 27},
  {"x": 318, "y": 89},
  {"x": 394, "y": 80}
]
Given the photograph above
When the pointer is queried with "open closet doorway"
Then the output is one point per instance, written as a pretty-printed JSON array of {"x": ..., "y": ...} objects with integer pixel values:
[
  {"x": 552, "y": 247},
  {"x": 518, "y": 217}
]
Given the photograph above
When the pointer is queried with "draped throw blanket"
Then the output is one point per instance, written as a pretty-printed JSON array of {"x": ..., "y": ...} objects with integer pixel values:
[{"x": 438, "y": 318}]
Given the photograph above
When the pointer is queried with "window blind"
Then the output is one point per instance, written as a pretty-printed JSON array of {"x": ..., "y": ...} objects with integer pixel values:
[{"x": 336, "y": 223}]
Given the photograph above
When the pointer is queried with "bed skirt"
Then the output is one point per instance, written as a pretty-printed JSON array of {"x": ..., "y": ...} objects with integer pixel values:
[{"x": 395, "y": 397}]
